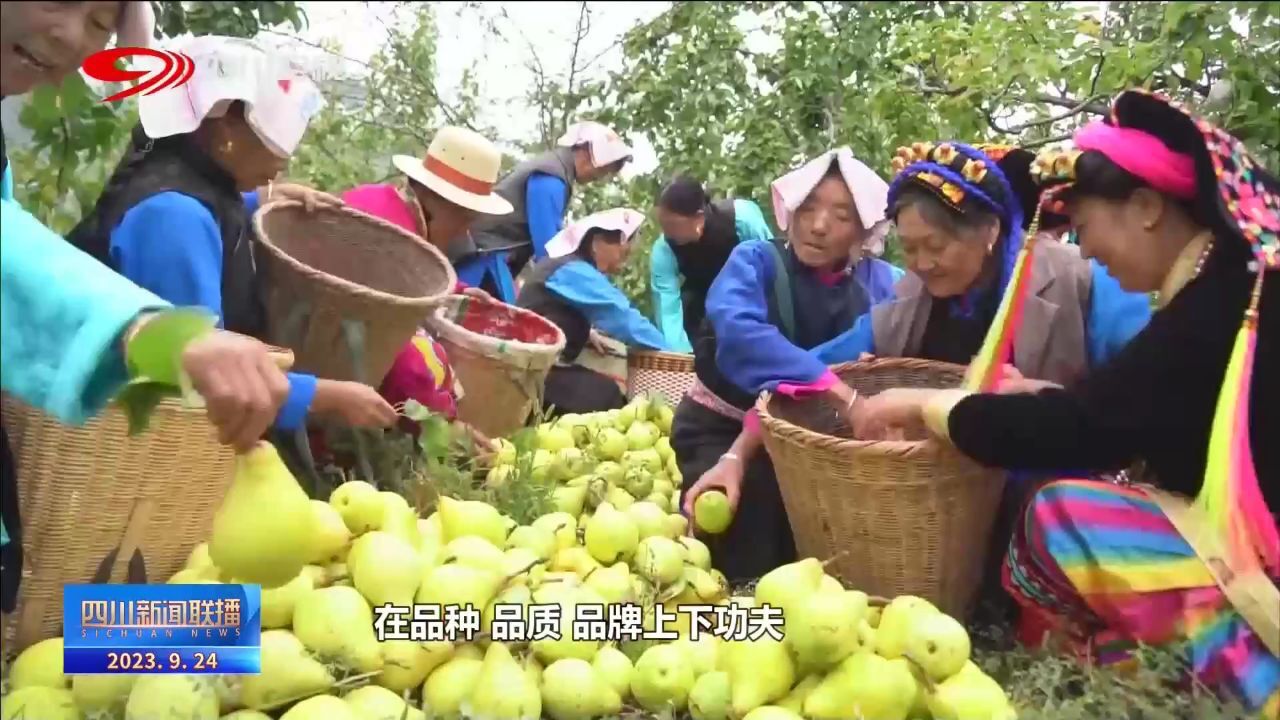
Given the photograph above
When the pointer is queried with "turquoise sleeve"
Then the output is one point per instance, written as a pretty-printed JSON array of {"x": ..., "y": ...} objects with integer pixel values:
[
  {"x": 664, "y": 282},
  {"x": 849, "y": 345},
  {"x": 62, "y": 314},
  {"x": 1115, "y": 315},
  {"x": 749, "y": 222}
]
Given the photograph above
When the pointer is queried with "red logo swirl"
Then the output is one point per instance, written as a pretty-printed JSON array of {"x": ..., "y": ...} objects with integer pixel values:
[{"x": 176, "y": 71}]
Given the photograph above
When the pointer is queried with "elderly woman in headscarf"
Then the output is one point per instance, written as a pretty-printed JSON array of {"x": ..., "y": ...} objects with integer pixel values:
[
  {"x": 67, "y": 323},
  {"x": 960, "y": 221},
  {"x": 572, "y": 290},
  {"x": 496, "y": 249},
  {"x": 1168, "y": 203},
  {"x": 772, "y": 303},
  {"x": 174, "y": 217}
]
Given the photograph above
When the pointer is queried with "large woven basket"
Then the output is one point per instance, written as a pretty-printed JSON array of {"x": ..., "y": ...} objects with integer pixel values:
[
  {"x": 898, "y": 517},
  {"x": 501, "y": 355},
  {"x": 100, "y": 506},
  {"x": 659, "y": 373},
  {"x": 345, "y": 290}
]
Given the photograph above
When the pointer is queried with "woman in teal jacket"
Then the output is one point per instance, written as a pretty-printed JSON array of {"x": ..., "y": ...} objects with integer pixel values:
[{"x": 67, "y": 323}]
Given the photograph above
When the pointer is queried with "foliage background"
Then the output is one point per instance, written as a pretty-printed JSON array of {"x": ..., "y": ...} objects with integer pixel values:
[{"x": 735, "y": 93}]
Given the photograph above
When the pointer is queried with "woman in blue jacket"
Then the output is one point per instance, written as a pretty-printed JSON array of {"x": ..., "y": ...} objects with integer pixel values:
[
  {"x": 174, "y": 216},
  {"x": 67, "y": 323}
]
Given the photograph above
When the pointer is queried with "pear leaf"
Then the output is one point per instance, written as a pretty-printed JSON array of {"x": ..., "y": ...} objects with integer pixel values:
[
  {"x": 155, "y": 350},
  {"x": 416, "y": 411},
  {"x": 435, "y": 436},
  {"x": 139, "y": 399}
]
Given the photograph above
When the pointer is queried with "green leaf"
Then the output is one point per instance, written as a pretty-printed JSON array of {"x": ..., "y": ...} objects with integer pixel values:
[
  {"x": 139, "y": 399},
  {"x": 156, "y": 350}
]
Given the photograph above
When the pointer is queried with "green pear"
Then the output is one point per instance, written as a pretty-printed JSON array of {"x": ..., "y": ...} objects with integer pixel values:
[
  {"x": 712, "y": 513},
  {"x": 572, "y": 690},
  {"x": 167, "y": 696},
  {"x": 619, "y": 498},
  {"x": 710, "y": 697},
  {"x": 970, "y": 696},
  {"x": 627, "y": 415},
  {"x": 863, "y": 683},
  {"x": 506, "y": 454},
  {"x": 939, "y": 644},
  {"x": 663, "y": 446},
  {"x": 614, "y": 667},
  {"x": 660, "y": 560},
  {"x": 572, "y": 461},
  {"x": 40, "y": 701},
  {"x": 460, "y": 518},
  {"x": 372, "y": 702},
  {"x": 610, "y": 444},
  {"x": 359, "y": 504},
  {"x": 611, "y": 472},
  {"x": 449, "y": 685},
  {"x": 554, "y": 437},
  {"x": 644, "y": 458},
  {"x": 638, "y": 482},
  {"x": 612, "y": 583},
  {"x": 512, "y": 595},
  {"x": 570, "y": 500},
  {"x": 407, "y": 663},
  {"x": 704, "y": 587},
  {"x": 538, "y": 539},
  {"x": 321, "y": 707},
  {"x": 830, "y": 585},
  {"x": 384, "y": 568},
  {"x": 772, "y": 712},
  {"x": 499, "y": 475},
  {"x": 704, "y": 653},
  {"x": 677, "y": 524},
  {"x": 664, "y": 486},
  {"x": 569, "y": 644},
  {"x": 460, "y": 585},
  {"x": 786, "y": 586},
  {"x": 761, "y": 671},
  {"x": 331, "y": 534},
  {"x": 474, "y": 551},
  {"x": 39, "y": 665},
  {"x": 191, "y": 576},
  {"x": 662, "y": 679},
  {"x": 611, "y": 535},
  {"x": 866, "y": 636},
  {"x": 522, "y": 567},
  {"x": 337, "y": 624},
  {"x": 246, "y": 715},
  {"x": 663, "y": 502},
  {"x": 794, "y": 701},
  {"x": 503, "y": 691},
  {"x": 642, "y": 436},
  {"x": 824, "y": 627},
  {"x": 896, "y": 621},
  {"x": 100, "y": 695},
  {"x": 650, "y": 519},
  {"x": 278, "y": 603},
  {"x": 697, "y": 551},
  {"x": 562, "y": 525}
]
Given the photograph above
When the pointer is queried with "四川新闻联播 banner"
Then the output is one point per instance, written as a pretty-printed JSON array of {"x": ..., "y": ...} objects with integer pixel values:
[{"x": 141, "y": 629}]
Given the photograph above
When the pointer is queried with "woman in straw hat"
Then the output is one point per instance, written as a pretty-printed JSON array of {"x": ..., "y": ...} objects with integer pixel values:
[
  {"x": 1168, "y": 203},
  {"x": 496, "y": 249},
  {"x": 770, "y": 305},
  {"x": 174, "y": 217},
  {"x": 66, "y": 321},
  {"x": 439, "y": 196},
  {"x": 572, "y": 290}
]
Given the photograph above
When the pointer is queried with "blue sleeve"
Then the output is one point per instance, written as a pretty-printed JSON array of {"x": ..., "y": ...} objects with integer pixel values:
[
  {"x": 751, "y": 352},
  {"x": 879, "y": 278},
  {"x": 606, "y": 308},
  {"x": 749, "y": 222},
  {"x": 302, "y": 390},
  {"x": 251, "y": 201},
  {"x": 62, "y": 314},
  {"x": 170, "y": 244},
  {"x": 664, "y": 280},
  {"x": 849, "y": 345},
  {"x": 544, "y": 209},
  {"x": 1115, "y": 315}
]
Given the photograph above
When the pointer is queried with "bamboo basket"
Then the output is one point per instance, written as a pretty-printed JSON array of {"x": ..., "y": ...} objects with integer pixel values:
[
  {"x": 346, "y": 290},
  {"x": 501, "y": 355},
  {"x": 898, "y": 517},
  {"x": 99, "y": 506},
  {"x": 659, "y": 373}
]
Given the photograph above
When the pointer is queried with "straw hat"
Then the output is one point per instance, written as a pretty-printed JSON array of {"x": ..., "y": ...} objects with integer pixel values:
[{"x": 461, "y": 166}]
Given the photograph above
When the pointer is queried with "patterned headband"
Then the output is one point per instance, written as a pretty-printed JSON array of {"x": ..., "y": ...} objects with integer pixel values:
[{"x": 954, "y": 172}]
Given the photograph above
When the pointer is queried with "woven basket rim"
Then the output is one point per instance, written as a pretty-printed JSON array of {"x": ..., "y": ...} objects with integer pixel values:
[
  {"x": 448, "y": 327},
  {"x": 351, "y": 288},
  {"x": 790, "y": 432},
  {"x": 637, "y": 354}
]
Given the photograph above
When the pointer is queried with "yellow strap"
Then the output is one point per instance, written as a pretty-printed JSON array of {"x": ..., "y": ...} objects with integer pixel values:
[{"x": 1250, "y": 592}]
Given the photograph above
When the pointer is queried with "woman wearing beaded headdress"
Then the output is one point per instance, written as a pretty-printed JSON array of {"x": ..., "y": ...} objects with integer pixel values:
[
  {"x": 1168, "y": 203},
  {"x": 960, "y": 213}
]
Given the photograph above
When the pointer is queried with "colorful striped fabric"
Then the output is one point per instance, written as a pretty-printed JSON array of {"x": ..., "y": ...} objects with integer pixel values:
[{"x": 1103, "y": 562}]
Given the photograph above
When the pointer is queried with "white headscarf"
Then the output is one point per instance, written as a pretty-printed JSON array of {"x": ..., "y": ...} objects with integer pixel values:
[
  {"x": 870, "y": 193},
  {"x": 279, "y": 98},
  {"x": 567, "y": 240},
  {"x": 606, "y": 146}
]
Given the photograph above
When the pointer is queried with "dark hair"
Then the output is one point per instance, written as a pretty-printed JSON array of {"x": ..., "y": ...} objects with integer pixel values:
[
  {"x": 973, "y": 215},
  {"x": 586, "y": 248},
  {"x": 1097, "y": 176},
  {"x": 683, "y": 196}
]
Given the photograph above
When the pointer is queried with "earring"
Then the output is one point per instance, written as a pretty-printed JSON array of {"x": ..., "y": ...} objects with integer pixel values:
[{"x": 227, "y": 147}]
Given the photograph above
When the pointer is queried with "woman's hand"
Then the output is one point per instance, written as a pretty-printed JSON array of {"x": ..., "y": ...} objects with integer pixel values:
[
  {"x": 892, "y": 414},
  {"x": 310, "y": 198},
  {"x": 356, "y": 404},
  {"x": 725, "y": 475},
  {"x": 599, "y": 344},
  {"x": 242, "y": 387},
  {"x": 846, "y": 402},
  {"x": 476, "y": 292},
  {"x": 1014, "y": 382}
]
